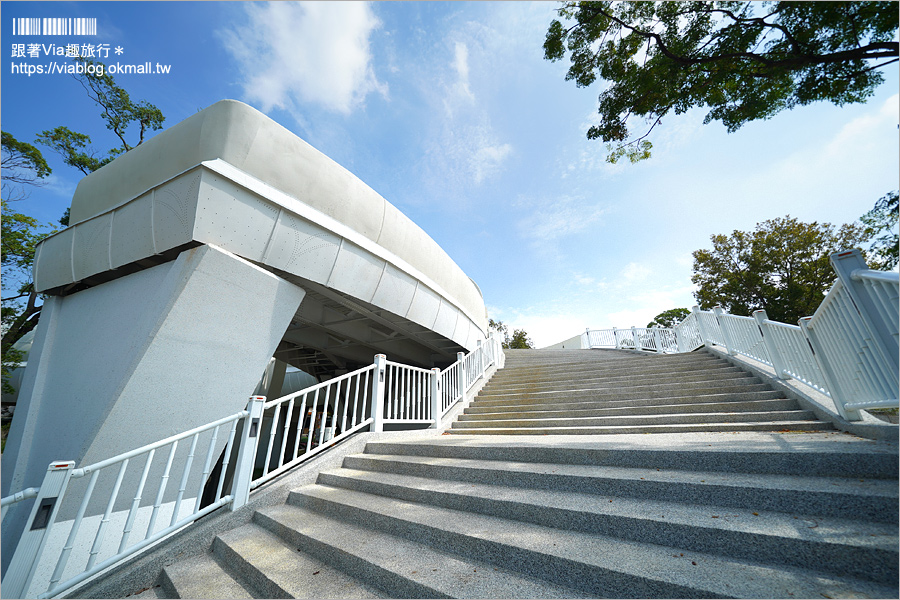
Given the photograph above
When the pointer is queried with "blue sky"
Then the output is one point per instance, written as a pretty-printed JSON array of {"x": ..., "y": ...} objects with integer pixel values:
[{"x": 450, "y": 112}]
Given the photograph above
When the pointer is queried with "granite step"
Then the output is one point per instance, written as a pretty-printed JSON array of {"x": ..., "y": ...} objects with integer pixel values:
[{"x": 595, "y": 564}]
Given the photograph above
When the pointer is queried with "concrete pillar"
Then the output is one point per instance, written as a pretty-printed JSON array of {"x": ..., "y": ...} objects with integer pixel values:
[{"x": 140, "y": 358}]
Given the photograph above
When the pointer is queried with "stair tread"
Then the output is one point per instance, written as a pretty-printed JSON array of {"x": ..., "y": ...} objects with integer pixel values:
[
  {"x": 723, "y": 372},
  {"x": 690, "y": 407},
  {"x": 441, "y": 574},
  {"x": 495, "y": 469},
  {"x": 725, "y": 415},
  {"x": 293, "y": 573},
  {"x": 658, "y": 567},
  {"x": 824, "y": 530},
  {"x": 200, "y": 576},
  {"x": 730, "y": 382},
  {"x": 477, "y": 407}
]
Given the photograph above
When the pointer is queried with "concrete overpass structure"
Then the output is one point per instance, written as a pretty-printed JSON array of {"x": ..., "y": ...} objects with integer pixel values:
[{"x": 194, "y": 259}]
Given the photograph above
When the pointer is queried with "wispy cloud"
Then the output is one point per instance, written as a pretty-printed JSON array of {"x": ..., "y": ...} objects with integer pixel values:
[
  {"x": 306, "y": 52},
  {"x": 461, "y": 65},
  {"x": 559, "y": 218}
]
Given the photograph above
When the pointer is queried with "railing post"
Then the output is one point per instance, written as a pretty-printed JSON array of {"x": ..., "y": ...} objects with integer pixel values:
[
  {"x": 703, "y": 337},
  {"x": 634, "y": 337},
  {"x": 37, "y": 529},
  {"x": 436, "y": 398},
  {"x": 586, "y": 341},
  {"x": 729, "y": 344},
  {"x": 243, "y": 469},
  {"x": 771, "y": 347},
  {"x": 463, "y": 383},
  {"x": 378, "y": 394},
  {"x": 831, "y": 381},
  {"x": 657, "y": 339},
  {"x": 479, "y": 352},
  {"x": 616, "y": 337},
  {"x": 847, "y": 265}
]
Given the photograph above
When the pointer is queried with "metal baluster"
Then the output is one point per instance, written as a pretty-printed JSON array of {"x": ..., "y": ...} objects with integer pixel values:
[
  {"x": 272, "y": 432},
  {"x": 347, "y": 383},
  {"x": 226, "y": 458},
  {"x": 135, "y": 503},
  {"x": 353, "y": 420},
  {"x": 207, "y": 466},
  {"x": 301, "y": 417},
  {"x": 324, "y": 415},
  {"x": 162, "y": 490},
  {"x": 70, "y": 541},
  {"x": 312, "y": 421},
  {"x": 284, "y": 435},
  {"x": 184, "y": 479},
  {"x": 101, "y": 531}
]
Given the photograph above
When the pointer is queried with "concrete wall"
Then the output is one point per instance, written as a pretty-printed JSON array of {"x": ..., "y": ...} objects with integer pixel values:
[
  {"x": 573, "y": 343},
  {"x": 141, "y": 358}
]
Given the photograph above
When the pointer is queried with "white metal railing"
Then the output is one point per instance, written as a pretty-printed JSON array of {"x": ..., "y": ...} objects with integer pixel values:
[
  {"x": 848, "y": 349},
  {"x": 298, "y": 426},
  {"x": 58, "y": 489},
  {"x": 262, "y": 442}
]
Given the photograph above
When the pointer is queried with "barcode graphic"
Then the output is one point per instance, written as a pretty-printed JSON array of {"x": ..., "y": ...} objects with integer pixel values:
[{"x": 55, "y": 26}]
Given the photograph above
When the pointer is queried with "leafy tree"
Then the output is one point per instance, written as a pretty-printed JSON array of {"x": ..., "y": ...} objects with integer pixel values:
[
  {"x": 20, "y": 235},
  {"x": 782, "y": 266},
  {"x": 882, "y": 221},
  {"x": 21, "y": 164},
  {"x": 499, "y": 327},
  {"x": 519, "y": 337},
  {"x": 519, "y": 341},
  {"x": 742, "y": 60},
  {"x": 670, "y": 318},
  {"x": 118, "y": 112}
]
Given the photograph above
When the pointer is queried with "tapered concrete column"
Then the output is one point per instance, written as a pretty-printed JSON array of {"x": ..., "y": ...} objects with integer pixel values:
[{"x": 141, "y": 358}]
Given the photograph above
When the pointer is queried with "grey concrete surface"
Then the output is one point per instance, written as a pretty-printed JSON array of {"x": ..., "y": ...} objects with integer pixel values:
[{"x": 784, "y": 513}]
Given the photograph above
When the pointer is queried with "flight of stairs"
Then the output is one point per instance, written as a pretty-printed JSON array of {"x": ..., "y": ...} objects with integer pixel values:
[
  {"x": 691, "y": 514},
  {"x": 609, "y": 391}
]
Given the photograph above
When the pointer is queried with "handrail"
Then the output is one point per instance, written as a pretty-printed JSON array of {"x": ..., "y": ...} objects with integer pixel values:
[
  {"x": 264, "y": 441},
  {"x": 846, "y": 351}
]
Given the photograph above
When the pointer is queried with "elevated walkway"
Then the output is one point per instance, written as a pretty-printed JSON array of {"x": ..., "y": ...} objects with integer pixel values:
[
  {"x": 782, "y": 512},
  {"x": 194, "y": 259}
]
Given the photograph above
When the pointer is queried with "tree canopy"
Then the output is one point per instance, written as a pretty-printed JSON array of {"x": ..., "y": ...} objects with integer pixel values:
[
  {"x": 21, "y": 164},
  {"x": 882, "y": 222},
  {"x": 669, "y": 318},
  {"x": 518, "y": 340},
  {"x": 742, "y": 60},
  {"x": 119, "y": 113},
  {"x": 782, "y": 266}
]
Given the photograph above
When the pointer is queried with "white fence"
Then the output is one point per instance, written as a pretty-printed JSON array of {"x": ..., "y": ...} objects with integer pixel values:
[
  {"x": 243, "y": 451},
  {"x": 847, "y": 350}
]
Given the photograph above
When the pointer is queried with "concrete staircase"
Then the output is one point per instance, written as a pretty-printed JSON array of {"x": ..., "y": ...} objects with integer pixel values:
[
  {"x": 696, "y": 513},
  {"x": 608, "y": 391}
]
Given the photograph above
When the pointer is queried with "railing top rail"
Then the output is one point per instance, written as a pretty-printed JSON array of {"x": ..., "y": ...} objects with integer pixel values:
[
  {"x": 885, "y": 276},
  {"x": 738, "y": 317},
  {"x": 318, "y": 386},
  {"x": 780, "y": 324},
  {"x": 76, "y": 473},
  {"x": 450, "y": 368},
  {"x": 19, "y": 496},
  {"x": 408, "y": 367}
]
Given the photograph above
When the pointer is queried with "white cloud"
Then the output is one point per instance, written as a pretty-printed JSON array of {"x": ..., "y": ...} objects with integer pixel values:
[
  {"x": 306, "y": 52},
  {"x": 559, "y": 218},
  {"x": 488, "y": 159},
  {"x": 461, "y": 65}
]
